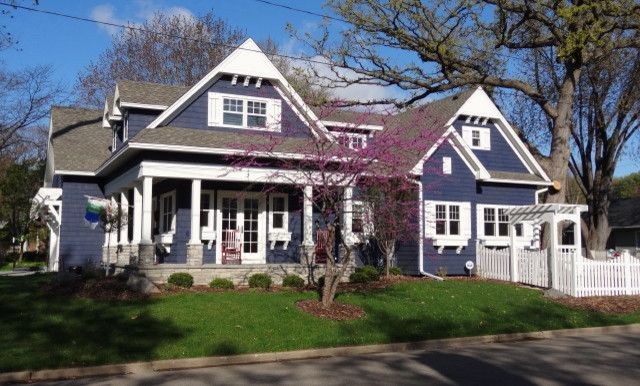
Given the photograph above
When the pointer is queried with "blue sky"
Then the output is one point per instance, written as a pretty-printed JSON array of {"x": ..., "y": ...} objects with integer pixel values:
[{"x": 69, "y": 45}]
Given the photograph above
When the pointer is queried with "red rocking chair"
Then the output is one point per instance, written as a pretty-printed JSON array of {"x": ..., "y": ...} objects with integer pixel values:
[
  {"x": 322, "y": 238},
  {"x": 231, "y": 246}
]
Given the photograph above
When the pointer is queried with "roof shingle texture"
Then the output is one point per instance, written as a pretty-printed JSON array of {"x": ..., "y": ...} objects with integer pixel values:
[
  {"x": 149, "y": 93},
  {"x": 625, "y": 213},
  {"x": 79, "y": 141}
]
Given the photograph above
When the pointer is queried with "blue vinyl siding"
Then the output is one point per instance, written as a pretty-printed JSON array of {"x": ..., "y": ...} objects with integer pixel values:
[
  {"x": 79, "y": 244},
  {"x": 462, "y": 186},
  {"x": 139, "y": 119},
  {"x": 501, "y": 157},
  {"x": 182, "y": 234},
  {"x": 195, "y": 114}
]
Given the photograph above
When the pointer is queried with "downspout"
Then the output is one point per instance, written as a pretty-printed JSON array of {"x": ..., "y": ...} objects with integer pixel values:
[
  {"x": 421, "y": 233},
  {"x": 538, "y": 193}
]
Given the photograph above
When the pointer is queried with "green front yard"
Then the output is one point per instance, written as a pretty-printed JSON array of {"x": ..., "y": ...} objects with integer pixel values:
[{"x": 46, "y": 332}]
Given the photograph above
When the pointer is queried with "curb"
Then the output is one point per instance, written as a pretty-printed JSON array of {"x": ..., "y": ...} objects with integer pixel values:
[{"x": 192, "y": 363}]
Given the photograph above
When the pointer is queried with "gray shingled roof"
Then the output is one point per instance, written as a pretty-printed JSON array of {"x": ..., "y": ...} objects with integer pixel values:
[
  {"x": 168, "y": 135},
  {"x": 149, "y": 93},
  {"x": 79, "y": 141},
  {"x": 349, "y": 116},
  {"x": 625, "y": 213}
]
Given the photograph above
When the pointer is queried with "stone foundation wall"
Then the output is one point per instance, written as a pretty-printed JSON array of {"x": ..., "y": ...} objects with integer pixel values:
[{"x": 239, "y": 274}]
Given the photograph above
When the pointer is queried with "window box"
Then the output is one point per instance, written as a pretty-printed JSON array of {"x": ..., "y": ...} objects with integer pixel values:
[
  {"x": 448, "y": 224},
  {"x": 274, "y": 236}
]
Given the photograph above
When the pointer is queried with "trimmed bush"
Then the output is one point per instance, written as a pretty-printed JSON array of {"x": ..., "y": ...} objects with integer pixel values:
[
  {"x": 221, "y": 283},
  {"x": 359, "y": 277},
  {"x": 395, "y": 271},
  {"x": 293, "y": 281},
  {"x": 181, "y": 279},
  {"x": 370, "y": 271},
  {"x": 260, "y": 280}
]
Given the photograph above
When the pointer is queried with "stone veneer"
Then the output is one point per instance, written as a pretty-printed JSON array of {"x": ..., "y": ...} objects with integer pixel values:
[{"x": 239, "y": 274}]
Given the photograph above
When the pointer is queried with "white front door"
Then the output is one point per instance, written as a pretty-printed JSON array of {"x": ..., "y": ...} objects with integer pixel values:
[{"x": 244, "y": 211}]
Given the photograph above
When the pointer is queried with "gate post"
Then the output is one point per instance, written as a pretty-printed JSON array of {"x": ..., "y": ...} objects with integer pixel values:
[
  {"x": 553, "y": 267},
  {"x": 513, "y": 256}
]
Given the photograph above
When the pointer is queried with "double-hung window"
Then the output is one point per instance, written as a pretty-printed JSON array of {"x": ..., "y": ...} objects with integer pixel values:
[
  {"x": 167, "y": 212},
  {"x": 475, "y": 138},
  {"x": 256, "y": 114},
  {"x": 495, "y": 222},
  {"x": 447, "y": 218},
  {"x": 279, "y": 212},
  {"x": 233, "y": 111}
]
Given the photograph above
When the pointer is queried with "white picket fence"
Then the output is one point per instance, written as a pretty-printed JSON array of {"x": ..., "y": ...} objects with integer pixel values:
[
  {"x": 569, "y": 273},
  {"x": 493, "y": 263},
  {"x": 617, "y": 276},
  {"x": 533, "y": 267}
]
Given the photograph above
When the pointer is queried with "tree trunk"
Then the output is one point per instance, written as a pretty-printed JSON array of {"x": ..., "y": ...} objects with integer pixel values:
[
  {"x": 558, "y": 165},
  {"x": 389, "y": 256}
]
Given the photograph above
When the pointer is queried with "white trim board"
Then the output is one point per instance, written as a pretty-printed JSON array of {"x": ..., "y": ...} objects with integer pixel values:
[
  {"x": 134, "y": 105},
  {"x": 348, "y": 125}
]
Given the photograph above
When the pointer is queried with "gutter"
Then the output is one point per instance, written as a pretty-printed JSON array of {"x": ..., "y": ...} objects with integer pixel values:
[
  {"x": 537, "y": 193},
  {"x": 421, "y": 240}
]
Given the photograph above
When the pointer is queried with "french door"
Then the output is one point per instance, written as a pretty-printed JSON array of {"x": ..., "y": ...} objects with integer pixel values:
[{"x": 244, "y": 211}]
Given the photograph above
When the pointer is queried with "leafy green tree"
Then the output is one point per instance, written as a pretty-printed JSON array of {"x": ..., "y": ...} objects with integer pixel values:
[
  {"x": 18, "y": 186},
  {"x": 627, "y": 186},
  {"x": 441, "y": 45}
]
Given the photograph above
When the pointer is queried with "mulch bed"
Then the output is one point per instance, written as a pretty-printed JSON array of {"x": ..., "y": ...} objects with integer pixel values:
[
  {"x": 604, "y": 304},
  {"x": 337, "y": 311},
  {"x": 109, "y": 288}
]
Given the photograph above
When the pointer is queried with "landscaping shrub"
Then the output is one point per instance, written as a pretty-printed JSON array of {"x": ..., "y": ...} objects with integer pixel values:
[
  {"x": 442, "y": 271},
  {"x": 370, "y": 271},
  {"x": 359, "y": 277},
  {"x": 395, "y": 271},
  {"x": 221, "y": 283},
  {"x": 181, "y": 279},
  {"x": 260, "y": 280},
  {"x": 293, "y": 281}
]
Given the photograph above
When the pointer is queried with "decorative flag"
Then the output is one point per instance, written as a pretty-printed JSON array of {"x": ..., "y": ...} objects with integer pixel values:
[{"x": 93, "y": 208}]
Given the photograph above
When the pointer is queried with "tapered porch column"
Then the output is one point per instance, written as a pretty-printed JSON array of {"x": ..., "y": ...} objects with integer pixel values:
[
  {"x": 137, "y": 214},
  {"x": 307, "y": 248},
  {"x": 146, "y": 251},
  {"x": 194, "y": 249},
  {"x": 124, "y": 218},
  {"x": 347, "y": 214}
]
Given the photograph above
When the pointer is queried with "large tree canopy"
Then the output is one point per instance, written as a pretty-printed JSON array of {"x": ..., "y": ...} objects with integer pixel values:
[{"x": 441, "y": 45}]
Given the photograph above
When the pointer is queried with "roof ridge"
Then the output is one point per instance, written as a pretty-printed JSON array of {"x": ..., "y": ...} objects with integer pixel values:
[{"x": 152, "y": 83}]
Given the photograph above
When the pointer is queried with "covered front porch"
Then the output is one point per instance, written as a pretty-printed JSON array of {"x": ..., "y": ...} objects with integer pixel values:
[{"x": 199, "y": 217}]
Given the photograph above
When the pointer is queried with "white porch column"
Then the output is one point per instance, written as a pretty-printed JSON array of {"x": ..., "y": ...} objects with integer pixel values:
[
  {"x": 196, "y": 189},
  {"x": 124, "y": 218},
  {"x": 137, "y": 214},
  {"x": 347, "y": 214},
  {"x": 307, "y": 212},
  {"x": 147, "y": 213},
  {"x": 513, "y": 253}
]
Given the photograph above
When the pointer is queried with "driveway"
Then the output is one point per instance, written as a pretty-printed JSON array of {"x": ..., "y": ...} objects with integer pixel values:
[{"x": 604, "y": 359}]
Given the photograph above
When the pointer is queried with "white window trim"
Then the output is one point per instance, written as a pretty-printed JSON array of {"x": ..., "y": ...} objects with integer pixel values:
[
  {"x": 499, "y": 240},
  {"x": 447, "y": 167},
  {"x": 125, "y": 127},
  {"x": 285, "y": 218},
  {"x": 367, "y": 224},
  {"x": 485, "y": 137},
  {"x": 279, "y": 234},
  {"x": 207, "y": 231},
  {"x": 363, "y": 136},
  {"x": 172, "y": 228},
  {"x": 216, "y": 112},
  {"x": 447, "y": 240},
  {"x": 114, "y": 140}
]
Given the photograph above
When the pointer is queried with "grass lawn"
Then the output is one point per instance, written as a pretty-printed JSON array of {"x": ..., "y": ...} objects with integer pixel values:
[
  {"x": 8, "y": 265},
  {"x": 46, "y": 332}
]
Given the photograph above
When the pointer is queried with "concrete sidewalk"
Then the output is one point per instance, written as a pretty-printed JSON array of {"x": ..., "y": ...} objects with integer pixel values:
[{"x": 601, "y": 359}]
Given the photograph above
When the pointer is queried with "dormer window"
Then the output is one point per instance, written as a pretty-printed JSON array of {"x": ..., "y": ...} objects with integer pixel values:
[
  {"x": 478, "y": 138},
  {"x": 352, "y": 140},
  {"x": 236, "y": 111}
]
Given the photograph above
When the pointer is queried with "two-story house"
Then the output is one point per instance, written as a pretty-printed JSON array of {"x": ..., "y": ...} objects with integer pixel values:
[{"x": 163, "y": 154}]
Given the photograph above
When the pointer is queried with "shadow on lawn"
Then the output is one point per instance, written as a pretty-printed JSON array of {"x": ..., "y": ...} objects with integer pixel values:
[{"x": 42, "y": 331}]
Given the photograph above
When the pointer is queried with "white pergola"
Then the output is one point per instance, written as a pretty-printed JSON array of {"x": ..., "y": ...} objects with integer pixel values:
[
  {"x": 538, "y": 214},
  {"x": 46, "y": 206}
]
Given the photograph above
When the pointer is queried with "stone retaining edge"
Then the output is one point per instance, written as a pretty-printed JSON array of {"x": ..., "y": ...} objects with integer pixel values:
[{"x": 192, "y": 363}]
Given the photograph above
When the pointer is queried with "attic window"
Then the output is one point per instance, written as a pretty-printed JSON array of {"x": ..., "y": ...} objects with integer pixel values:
[
  {"x": 478, "y": 138},
  {"x": 241, "y": 112}
]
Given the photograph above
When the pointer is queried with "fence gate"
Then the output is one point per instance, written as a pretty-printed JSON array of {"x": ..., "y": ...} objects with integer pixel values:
[{"x": 533, "y": 267}]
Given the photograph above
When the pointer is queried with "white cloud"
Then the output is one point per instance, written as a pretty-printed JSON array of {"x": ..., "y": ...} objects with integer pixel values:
[
  {"x": 145, "y": 9},
  {"x": 106, "y": 14}
]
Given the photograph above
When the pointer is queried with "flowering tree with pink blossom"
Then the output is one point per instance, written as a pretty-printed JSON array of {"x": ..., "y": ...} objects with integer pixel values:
[{"x": 378, "y": 173}]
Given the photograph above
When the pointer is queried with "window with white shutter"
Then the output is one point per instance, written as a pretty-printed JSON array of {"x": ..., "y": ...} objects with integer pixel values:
[
  {"x": 493, "y": 227},
  {"x": 448, "y": 223},
  {"x": 477, "y": 138},
  {"x": 244, "y": 112}
]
